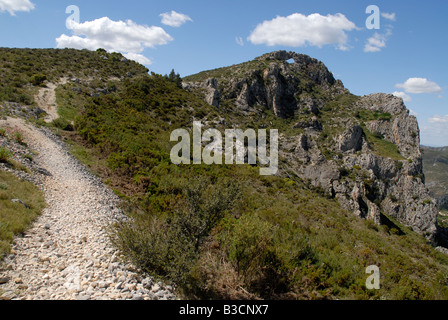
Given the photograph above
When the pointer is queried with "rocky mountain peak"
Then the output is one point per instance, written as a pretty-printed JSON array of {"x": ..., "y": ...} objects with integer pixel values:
[
  {"x": 315, "y": 69},
  {"x": 269, "y": 81}
]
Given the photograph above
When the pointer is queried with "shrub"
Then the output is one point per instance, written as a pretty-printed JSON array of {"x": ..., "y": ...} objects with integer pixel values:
[
  {"x": 16, "y": 218},
  {"x": 249, "y": 245},
  {"x": 393, "y": 198},
  {"x": 19, "y": 138},
  {"x": 23, "y": 98},
  {"x": 38, "y": 79},
  {"x": 168, "y": 245},
  {"x": 5, "y": 155},
  {"x": 63, "y": 124}
]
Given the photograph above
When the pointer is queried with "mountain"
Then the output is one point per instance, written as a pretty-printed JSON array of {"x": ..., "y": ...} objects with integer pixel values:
[
  {"x": 435, "y": 161},
  {"x": 349, "y": 192},
  {"x": 435, "y": 165},
  {"x": 363, "y": 151}
]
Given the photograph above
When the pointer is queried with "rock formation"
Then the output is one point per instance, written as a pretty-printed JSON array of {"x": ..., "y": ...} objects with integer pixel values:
[{"x": 363, "y": 151}]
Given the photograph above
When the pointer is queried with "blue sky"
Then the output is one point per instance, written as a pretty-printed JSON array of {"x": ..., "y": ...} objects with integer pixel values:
[{"x": 405, "y": 56}]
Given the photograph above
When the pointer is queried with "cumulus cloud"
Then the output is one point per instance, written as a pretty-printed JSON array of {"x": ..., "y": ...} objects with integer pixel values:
[
  {"x": 436, "y": 133},
  {"x": 419, "y": 85},
  {"x": 239, "y": 41},
  {"x": 377, "y": 42},
  {"x": 439, "y": 119},
  {"x": 389, "y": 16},
  {"x": 174, "y": 19},
  {"x": 413, "y": 113},
  {"x": 404, "y": 96},
  {"x": 298, "y": 30},
  {"x": 126, "y": 37},
  {"x": 12, "y": 6},
  {"x": 138, "y": 58}
]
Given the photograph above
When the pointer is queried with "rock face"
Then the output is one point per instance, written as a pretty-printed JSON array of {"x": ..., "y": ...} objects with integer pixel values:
[
  {"x": 372, "y": 186},
  {"x": 351, "y": 140},
  {"x": 363, "y": 151},
  {"x": 442, "y": 202},
  {"x": 210, "y": 88},
  {"x": 278, "y": 86}
]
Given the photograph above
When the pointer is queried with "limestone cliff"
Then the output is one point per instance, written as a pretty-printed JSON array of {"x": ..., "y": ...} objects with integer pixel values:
[{"x": 364, "y": 151}]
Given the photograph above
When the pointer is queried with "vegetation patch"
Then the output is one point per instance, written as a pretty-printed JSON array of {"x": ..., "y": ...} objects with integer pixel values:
[
  {"x": 381, "y": 146},
  {"x": 20, "y": 203},
  {"x": 224, "y": 231}
]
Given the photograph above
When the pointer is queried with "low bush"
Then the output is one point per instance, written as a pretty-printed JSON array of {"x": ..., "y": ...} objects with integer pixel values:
[
  {"x": 5, "y": 155},
  {"x": 63, "y": 124}
]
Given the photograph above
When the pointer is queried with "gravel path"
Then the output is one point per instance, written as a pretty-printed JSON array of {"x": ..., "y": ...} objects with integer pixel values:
[
  {"x": 67, "y": 254},
  {"x": 46, "y": 100}
]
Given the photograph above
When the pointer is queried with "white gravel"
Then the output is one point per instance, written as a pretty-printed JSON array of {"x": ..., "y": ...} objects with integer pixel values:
[{"x": 67, "y": 253}]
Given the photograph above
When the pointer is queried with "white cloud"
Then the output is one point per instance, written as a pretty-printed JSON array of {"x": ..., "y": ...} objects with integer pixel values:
[
  {"x": 174, "y": 19},
  {"x": 439, "y": 120},
  {"x": 377, "y": 42},
  {"x": 436, "y": 133},
  {"x": 138, "y": 57},
  {"x": 239, "y": 41},
  {"x": 12, "y": 6},
  {"x": 126, "y": 37},
  {"x": 413, "y": 113},
  {"x": 298, "y": 30},
  {"x": 404, "y": 96},
  {"x": 419, "y": 85},
  {"x": 389, "y": 16}
]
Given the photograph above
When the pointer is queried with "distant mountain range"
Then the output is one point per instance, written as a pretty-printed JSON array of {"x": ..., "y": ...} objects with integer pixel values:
[{"x": 435, "y": 167}]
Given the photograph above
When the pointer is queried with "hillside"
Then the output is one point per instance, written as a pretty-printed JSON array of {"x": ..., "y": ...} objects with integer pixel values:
[
  {"x": 349, "y": 192},
  {"x": 363, "y": 151},
  {"x": 24, "y": 71},
  {"x": 435, "y": 163}
]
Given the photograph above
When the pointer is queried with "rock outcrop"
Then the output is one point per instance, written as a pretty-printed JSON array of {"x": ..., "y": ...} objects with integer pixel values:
[
  {"x": 363, "y": 151},
  {"x": 210, "y": 89},
  {"x": 280, "y": 86}
]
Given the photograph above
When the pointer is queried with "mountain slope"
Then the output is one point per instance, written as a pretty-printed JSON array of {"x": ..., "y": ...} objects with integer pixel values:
[
  {"x": 224, "y": 231},
  {"x": 364, "y": 151},
  {"x": 435, "y": 161},
  {"x": 435, "y": 164},
  {"x": 66, "y": 254}
]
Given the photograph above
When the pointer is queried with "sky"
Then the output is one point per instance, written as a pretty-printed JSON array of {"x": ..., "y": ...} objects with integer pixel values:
[{"x": 391, "y": 46}]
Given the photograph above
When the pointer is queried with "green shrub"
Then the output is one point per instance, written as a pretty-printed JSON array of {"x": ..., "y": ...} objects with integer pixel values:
[
  {"x": 28, "y": 157},
  {"x": 249, "y": 246},
  {"x": 19, "y": 138},
  {"x": 399, "y": 165},
  {"x": 63, "y": 124},
  {"x": 381, "y": 146},
  {"x": 16, "y": 218},
  {"x": 38, "y": 79},
  {"x": 5, "y": 155},
  {"x": 168, "y": 245},
  {"x": 23, "y": 98}
]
